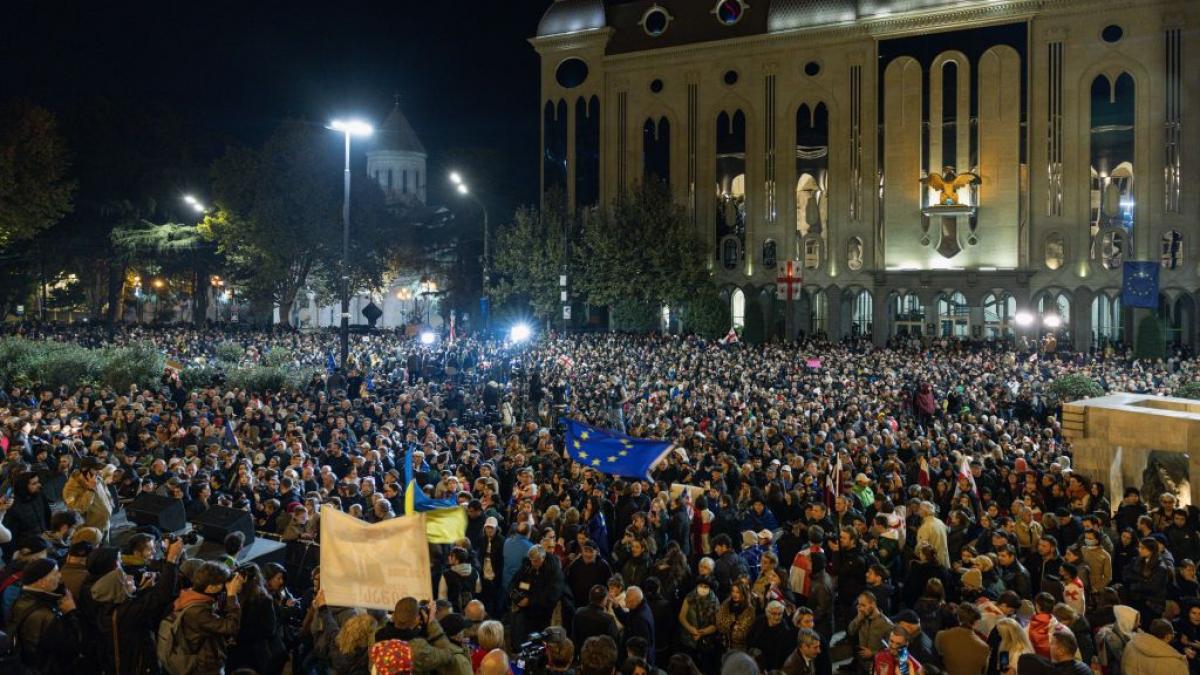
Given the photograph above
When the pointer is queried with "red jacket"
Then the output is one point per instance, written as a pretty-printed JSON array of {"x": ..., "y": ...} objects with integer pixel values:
[{"x": 887, "y": 664}]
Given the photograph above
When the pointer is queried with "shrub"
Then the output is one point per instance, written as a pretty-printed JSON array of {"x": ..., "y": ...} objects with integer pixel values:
[
  {"x": 260, "y": 379},
  {"x": 634, "y": 317},
  {"x": 1189, "y": 390},
  {"x": 1074, "y": 387},
  {"x": 229, "y": 352},
  {"x": 198, "y": 377},
  {"x": 123, "y": 367},
  {"x": 278, "y": 356},
  {"x": 60, "y": 365}
]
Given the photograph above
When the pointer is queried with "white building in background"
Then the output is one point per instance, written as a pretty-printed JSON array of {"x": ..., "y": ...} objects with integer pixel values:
[{"x": 396, "y": 161}]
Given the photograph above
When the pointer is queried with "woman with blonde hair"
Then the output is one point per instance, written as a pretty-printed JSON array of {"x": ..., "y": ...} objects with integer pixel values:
[
  {"x": 352, "y": 645},
  {"x": 1013, "y": 643}
]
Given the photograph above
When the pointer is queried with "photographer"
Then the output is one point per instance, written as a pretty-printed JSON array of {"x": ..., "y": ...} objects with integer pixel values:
[
  {"x": 535, "y": 591},
  {"x": 211, "y": 615},
  {"x": 127, "y": 614},
  {"x": 432, "y": 651}
]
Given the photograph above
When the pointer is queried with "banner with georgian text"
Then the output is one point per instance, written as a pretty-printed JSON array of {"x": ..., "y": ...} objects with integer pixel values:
[{"x": 373, "y": 565}]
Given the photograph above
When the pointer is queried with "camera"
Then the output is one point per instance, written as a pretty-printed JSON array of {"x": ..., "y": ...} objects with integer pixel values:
[
  {"x": 531, "y": 655},
  {"x": 190, "y": 538}
]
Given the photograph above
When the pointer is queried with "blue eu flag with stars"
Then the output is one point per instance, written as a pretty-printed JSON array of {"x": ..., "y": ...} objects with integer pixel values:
[
  {"x": 1139, "y": 288},
  {"x": 613, "y": 453}
]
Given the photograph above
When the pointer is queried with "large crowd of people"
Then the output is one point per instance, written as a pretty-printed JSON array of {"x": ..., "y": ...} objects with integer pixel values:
[{"x": 890, "y": 511}]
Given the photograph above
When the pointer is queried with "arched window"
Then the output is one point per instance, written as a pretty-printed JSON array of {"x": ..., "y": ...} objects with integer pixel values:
[
  {"x": 1112, "y": 140},
  {"x": 404, "y": 181},
  {"x": 737, "y": 308},
  {"x": 390, "y": 183},
  {"x": 730, "y": 253},
  {"x": 998, "y": 315},
  {"x": 1106, "y": 320},
  {"x": 854, "y": 254},
  {"x": 731, "y": 176},
  {"x": 1112, "y": 249},
  {"x": 1056, "y": 251},
  {"x": 769, "y": 254},
  {"x": 812, "y": 253},
  {"x": 820, "y": 312},
  {"x": 954, "y": 316},
  {"x": 656, "y": 150},
  {"x": 908, "y": 315},
  {"x": 1054, "y": 310},
  {"x": 1172, "y": 250},
  {"x": 862, "y": 314}
]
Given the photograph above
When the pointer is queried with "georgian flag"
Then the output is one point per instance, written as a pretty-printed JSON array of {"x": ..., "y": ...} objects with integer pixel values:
[{"x": 730, "y": 338}]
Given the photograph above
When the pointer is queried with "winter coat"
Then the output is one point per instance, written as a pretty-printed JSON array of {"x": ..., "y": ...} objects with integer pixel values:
[
  {"x": 95, "y": 505},
  {"x": 869, "y": 632},
  {"x": 963, "y": 652},
  {"x": 29, "y": 515},
  {"x": 1039, "y": 628},
  {"x": 1148, "y": 655},
  {"x": 433, "y": 653},
  {"x": 1099, "y": 564},
  {"x": 1111, "y": 640},
  {"x": 50, "y": 642},
  {"x": 934, "y": 533},
  {"x": 734, "y": 626},
  {"x": 206, "y": 629},
  {"x": 135, "y": 620}
]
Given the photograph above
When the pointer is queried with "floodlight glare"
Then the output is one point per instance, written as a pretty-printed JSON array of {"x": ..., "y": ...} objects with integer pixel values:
[
  {"x": 427, "y": 337},
  {"x": 352, "y": 127},
  {"x": 520, "y": 332},
  {"x": 1052, "y": 321},
  {"x": 1024, "y": 318},
  {"x": 455, "y": 178},
  {"x": 462, "y": 189},
  {"x": 189, "y": 199}
]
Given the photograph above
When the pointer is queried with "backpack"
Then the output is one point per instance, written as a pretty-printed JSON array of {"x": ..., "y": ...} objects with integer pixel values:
[{"x": 171, "y": 647}]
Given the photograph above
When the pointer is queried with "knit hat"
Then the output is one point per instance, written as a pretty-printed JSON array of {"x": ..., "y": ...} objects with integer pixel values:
[
  {"x": 391, "y": 657},
  {"x": 972, "y": 578},
  {"x": 37, "y": 570}
]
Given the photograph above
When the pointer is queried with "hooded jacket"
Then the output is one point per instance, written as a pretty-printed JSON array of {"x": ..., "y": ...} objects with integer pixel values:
[
  {"x": 135, "y": 620},
  {"x": 1111, "y": 640},
  {"x": 206, "y": 629},
  {"x": 1038, "y": 630},
  {"x": 94, "y": 504},
  {"x": 50, "y": 642},
  {"x": 1148, "y": 655},
  {"x": 30, "y": 513}
]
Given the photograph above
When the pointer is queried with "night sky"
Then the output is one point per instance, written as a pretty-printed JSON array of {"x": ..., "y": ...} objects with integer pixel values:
[{"x": 467, "y": 76}]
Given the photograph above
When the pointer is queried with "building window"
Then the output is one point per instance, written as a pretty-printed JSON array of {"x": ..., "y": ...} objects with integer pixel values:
[
  {"x": 1172, "y": 250},
  {"x": 1112, "y": 33},
  {"x": 769, "y": 255},
  {"x": 389, "y": 179},
  {"x": 1056, "y": 251},
  {"x": 908, "y": 315},
  {"x": 729, "y": 12},
  {"x": 998, "y": 313},
  {"x": 812, "y": 254},
  {"x": 571, "y": 73},
  {"x": 737, "y": 308},
  {"x": 862, "y": 315},
  {"x": 655, "y": 21},
  {"x": 854, "y": 254},
  {"x": 730, "y": 253},
  {"x": 1106, "y": 320},
  {"x": 954, "y": 315},
  {"x": 1112, "y": 249},
  {"x": 404, "y": 181}
]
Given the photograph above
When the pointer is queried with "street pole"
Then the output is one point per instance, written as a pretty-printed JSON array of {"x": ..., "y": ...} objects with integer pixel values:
[{"x": 345, "y": 331}]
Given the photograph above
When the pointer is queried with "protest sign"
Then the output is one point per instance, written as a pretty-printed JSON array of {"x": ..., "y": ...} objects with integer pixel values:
[{"x": 373, "y": 565}]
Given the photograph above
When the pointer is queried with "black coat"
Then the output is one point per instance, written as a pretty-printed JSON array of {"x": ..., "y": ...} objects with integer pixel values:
[
  {"x": 591, "y": 621},
  {"x": 638, "y": 622},
  {"x": 775, "y": 642},
  {"x": 132, "y": 650},
  {"x": 50, "y": 642}
]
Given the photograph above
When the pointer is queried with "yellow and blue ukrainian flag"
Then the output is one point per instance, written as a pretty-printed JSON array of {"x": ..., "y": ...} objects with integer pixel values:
[{"x": 445, "y": 520}]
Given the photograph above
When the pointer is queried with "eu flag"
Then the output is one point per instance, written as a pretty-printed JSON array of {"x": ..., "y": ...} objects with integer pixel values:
[
  {"x": 1139, "y": 287},
  {"x": 611, "y": 452},
  {"x": 231, "y": 439}
]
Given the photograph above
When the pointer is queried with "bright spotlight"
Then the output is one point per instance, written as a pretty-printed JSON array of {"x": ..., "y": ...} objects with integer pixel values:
[
  {"x": 1024, "y": 318},
  {"x": 1052, "y": 321},
  {"x": 189, "y": 199},
  {"x": 520, "y": 332},
  {"x": 352, "y": 127},
  {"x": 455, "y": 178},
  {"x": 462, "y": 189},
  {"x": 427, "y": 337},
  {"x": 198, "y": 206}
]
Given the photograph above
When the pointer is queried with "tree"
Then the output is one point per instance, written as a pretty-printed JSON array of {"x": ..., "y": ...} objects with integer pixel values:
[
  {"x": 529, "y": 258},
  {"x": 279, "y": 217},
  {"x": 643, "y": 250},
  {"x": 1150, "y": 343},
  {"x": 172, "y": 245},
  {"x": 35, "y": 192},
  {"x": 706, "y": 314},
  {"x": 1075, "y": 386}
]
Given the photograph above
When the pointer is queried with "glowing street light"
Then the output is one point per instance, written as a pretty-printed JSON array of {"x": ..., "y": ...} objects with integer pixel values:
[
  {"x": 1052, "y": 321},
  {"x": 463, "y": 189},
  {"x": 348, "y": 128},
  {"x": 520, "y": 332},
  {"x": 461, "y": 186},
  {"x": 1024, "y": 319},
  {"x": 456, "y": 178},
  {"x": 427, "y": 337}
]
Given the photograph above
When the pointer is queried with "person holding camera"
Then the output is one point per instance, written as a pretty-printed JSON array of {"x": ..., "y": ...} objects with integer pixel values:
[
  {"x": 127, "y": 614},
  {"x": 432, "y": 651},
  {"x": 535, "y": 591},
  {"x": 211, "y": 615}
]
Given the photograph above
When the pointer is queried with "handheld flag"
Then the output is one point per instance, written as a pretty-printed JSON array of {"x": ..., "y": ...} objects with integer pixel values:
[
  {"x": 833, "y": 483},
  {"x": 1139, "y": 287},
  {"x": 613, "y": 453},
  {"x": 445, "y": 520},
  {"x": 230, "y": 438},
  {"x": 330, "y": 364},
  {"x": 731, "y": 338},
  {"x": 964, "y": 473}
]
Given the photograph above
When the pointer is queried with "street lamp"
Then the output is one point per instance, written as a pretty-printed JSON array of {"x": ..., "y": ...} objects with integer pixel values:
[
  {"x": 348, "y": 128},
  {"x": 195, "y": 203},
  {"x": 461, "y": 186}
]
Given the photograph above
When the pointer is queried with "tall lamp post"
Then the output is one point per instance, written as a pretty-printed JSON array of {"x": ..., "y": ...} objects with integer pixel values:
[
  {"x": 462, "y": 188},
  {"x": 348, "y": 128}
]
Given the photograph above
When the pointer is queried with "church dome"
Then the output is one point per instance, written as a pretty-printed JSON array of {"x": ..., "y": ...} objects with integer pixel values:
[
  {"x": 793, "y": 14},
  {"x": 572, "y": 16}
]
